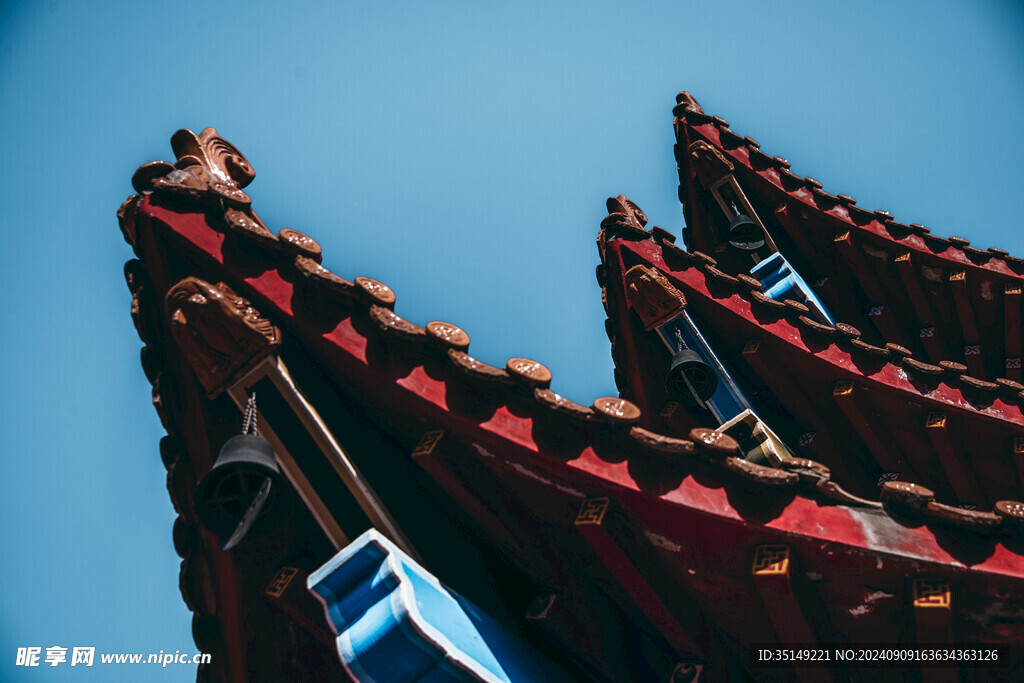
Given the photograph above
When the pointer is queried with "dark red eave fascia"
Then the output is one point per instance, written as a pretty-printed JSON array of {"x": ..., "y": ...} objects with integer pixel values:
[
  {"x": 509, "y": 431},
  {"x": 694, "y": 280},
  {"x": 953, "y": 257}
]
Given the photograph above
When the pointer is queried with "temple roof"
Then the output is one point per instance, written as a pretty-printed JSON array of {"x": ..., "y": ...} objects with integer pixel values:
[
  {"x": 542, "y": 454},
  {"x": 523, "y": 380},
  {"x": 746, "y": 151},
  {"x": 900, "y": 284}
]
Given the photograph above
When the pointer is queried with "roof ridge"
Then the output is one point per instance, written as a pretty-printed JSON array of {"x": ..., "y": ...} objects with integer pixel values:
[
  {"x": 749, "y": 288},
  {"x": 917, "y": 501},
  {"x": 689, "y": 110},
  {"x": 450, "y": 344}
]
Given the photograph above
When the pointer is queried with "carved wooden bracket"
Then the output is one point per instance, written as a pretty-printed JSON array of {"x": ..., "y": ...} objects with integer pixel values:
[
  {"x": 708, "y": 162},
  {"x": 220, "y": 334},
  {"x": 654, "y": 298}
]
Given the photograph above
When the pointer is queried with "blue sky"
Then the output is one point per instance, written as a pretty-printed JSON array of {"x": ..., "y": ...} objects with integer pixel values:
[{"x": 460, "y": 153}]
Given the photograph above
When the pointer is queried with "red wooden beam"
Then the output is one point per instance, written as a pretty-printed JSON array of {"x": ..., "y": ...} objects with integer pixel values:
[
  {"x": 973, "y": 357},
  {"x": 428, "y": 456},
  {"x": 879, "y": 314},
  {"x": 843, "y": 393},
  {"x": 931, "y": 342},
  {"x": 1011, "y": 323},
  {"x": 796, "y": 228},
  {"x": 590, "y": 524},
  {"x": 816, "y": 435},
  {"x": 225, "y": 579},
  {"x": 288, "y": 586},
  {"x": 1018, "y": 457},
  {"x": 962, "y": 479},
  {"x": 788, "y": 216},
  {"x": 772, "y": 577},
  {"x": 933, "y": 618}
]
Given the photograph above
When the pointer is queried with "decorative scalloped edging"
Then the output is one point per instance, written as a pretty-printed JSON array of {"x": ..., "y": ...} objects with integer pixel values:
[
  {"x": 375, "y": 300},
  {"x": 193, "y": 575},
  {"x": 621, "y": 413}
]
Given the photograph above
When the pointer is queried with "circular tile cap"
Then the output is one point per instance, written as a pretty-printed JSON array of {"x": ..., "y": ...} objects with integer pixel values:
[
  {"x": 448, "y": 334},
  {"x": 710, "y": 441},
  {"x": 302, "y": 243},
  {"x": 906, "y": 493},
  {"x": 529, "y": 371},
  {"x": 1011, "y": 511},
  {"x": 617, "y": 410},
  {"x": 378, "y": 291}
]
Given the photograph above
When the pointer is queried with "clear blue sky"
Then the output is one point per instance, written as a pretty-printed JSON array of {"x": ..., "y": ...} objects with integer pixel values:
[{"x": 460, "y": 153}]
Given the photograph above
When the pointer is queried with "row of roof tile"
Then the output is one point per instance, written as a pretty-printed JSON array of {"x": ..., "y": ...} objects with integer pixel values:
[
  {"x": 529, "y": 378},
  {"x": 688, "y": 109},
  {"x": 902, "y": 498},
  {"x": 844, "y": 334}
]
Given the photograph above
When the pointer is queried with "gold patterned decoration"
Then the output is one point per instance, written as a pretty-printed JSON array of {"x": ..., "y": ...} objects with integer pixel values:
[
  {"x": 842, "y": 388},
  {"x": 770, "y": 560},
  {"x": 592, "y": 511},
  {"x": 281, "y": 581},
  {"x": 428, "y": 443},
  {"x": 932, "y": 593},
  {"x": 378, "y": 292}
]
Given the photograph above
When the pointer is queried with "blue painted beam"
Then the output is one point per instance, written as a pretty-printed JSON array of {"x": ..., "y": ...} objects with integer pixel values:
[
  {"x": 780, "y": 282},
  {"x": 396, "y": 622}
]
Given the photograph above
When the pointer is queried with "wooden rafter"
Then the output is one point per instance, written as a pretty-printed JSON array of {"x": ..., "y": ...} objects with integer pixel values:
[
  {"x": 825, "y": 286},
  {"x": 933, "y": 620},
  {"x": 844, "y": 394},
  {"x": 773, "y": 579},
  {"x": 590, "y": 522},
  {"x": 973, "y": 356},
  {"x": 1012, "y": 335},
  {"x": 816, "y": 435},
  {"x": 1018, "y": 457},
  {"x": 428, "y": 455},
  {"x": 961, "y": 478},
  {"x": 930, "y": 341},
  {"x": 879, "y": 314},
  {"x": 786, "y": 216}
]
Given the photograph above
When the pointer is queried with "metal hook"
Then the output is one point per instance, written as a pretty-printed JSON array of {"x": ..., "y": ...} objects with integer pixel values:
[{"x": 250, "y": 416}]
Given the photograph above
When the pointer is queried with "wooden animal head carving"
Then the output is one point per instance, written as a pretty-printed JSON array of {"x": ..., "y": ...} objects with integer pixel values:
[{"x": 220, "y": 334}]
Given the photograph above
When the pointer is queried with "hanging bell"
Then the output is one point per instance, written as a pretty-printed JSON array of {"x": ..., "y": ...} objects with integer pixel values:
[
  {"x": 243, "y": 495},
  {"x": 745, "y": 234},
  {"x": 690, "y": 380}
]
